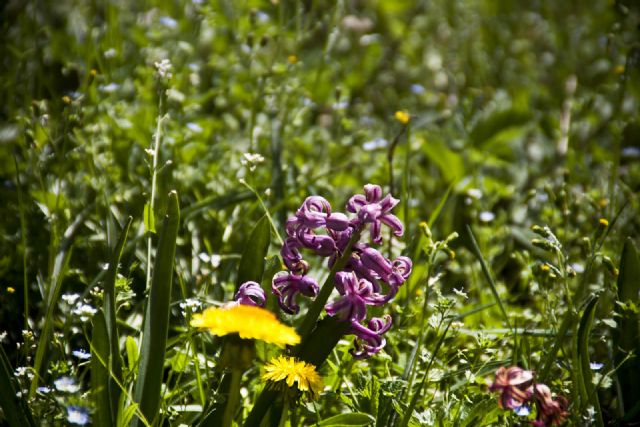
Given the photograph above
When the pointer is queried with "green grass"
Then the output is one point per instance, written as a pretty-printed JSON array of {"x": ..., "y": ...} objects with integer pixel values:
[{"x": 517, "y": 176}]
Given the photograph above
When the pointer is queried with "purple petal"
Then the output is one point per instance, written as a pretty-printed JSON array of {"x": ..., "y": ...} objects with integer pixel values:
[
  {"x": 393, "y": 222},
  {"x": 251, "y": 293}
]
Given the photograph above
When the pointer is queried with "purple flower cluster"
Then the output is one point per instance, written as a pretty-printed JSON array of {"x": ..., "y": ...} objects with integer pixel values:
[
  {"x": 368, "y": 277},
  {"x": 518, "y": 391}
]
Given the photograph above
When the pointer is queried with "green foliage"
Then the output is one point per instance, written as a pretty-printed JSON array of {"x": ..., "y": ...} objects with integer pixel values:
[{"x": 523, "y": 139}]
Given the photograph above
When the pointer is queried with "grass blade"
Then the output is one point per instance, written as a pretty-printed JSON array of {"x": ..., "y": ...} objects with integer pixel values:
[
  {"x": 114, "y": 356},
  {"x": 255, "y": 250},
  {"x": 156, "y": 319},
  {"x": 100, "y": 378},
  {"x": 587, "y": 389},
  {"x": 485, "y": 269}
]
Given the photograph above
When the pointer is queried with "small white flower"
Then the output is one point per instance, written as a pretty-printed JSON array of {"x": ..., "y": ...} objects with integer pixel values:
[
  {"x": 461, "y": 293},
  {"x": 163, "y": 68},
  {"x": 70, "y": 298},
  {"x": 252, "y": 160},
  {"x": 3, "y": 336},
  {"x": 66, "y": 385},
  {"x": 85, "y": 311},
  {"x": 486, "y": 216}
]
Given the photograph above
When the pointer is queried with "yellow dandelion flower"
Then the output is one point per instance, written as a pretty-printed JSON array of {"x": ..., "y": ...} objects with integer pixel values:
[
  {"x": 249, "y": 322},
  {"x": 603, "y": 222},
  {"x": 402, "y": 116},
  {"x": 292, "y": 371},
  {"x": 292, "y": 59}
]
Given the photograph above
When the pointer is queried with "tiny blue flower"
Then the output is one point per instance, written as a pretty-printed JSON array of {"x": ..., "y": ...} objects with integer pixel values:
[
  {"x": 595, "y": 366},
  {"x": 66, "y": 384},
  {"x": 523, "y": 411},
  {"x": 78, "y": 415}
]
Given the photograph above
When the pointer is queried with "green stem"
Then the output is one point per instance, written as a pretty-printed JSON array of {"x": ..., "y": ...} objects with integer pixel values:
[
  {"x": 154, "y": 179},
  {"x": 233, "y": 398},
  {"x": 316, "y": 308}
]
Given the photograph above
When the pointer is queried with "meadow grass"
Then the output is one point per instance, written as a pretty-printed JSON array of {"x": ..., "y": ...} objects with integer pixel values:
[{"x": 166, "y": 163}]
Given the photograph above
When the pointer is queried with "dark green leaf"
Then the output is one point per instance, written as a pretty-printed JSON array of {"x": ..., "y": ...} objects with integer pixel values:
[
  {"x": 156, "y": 319},
  {"x": 255, "y": 250}
]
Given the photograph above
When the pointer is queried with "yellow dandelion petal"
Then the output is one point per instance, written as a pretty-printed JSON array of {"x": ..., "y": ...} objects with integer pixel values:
[
  {"x": 403, "y": 117},
  {"x": 292, "y": 371},
  {"x": 248, "y": 321}
]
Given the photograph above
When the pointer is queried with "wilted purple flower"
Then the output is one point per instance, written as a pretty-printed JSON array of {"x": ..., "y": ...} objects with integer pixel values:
[
  {"x": 369, "y": 341},
  {"x": 515, "y": 386},
  {"x": 251, "y": 293},
  {"x": 356, "y": 294},
  {"x": 372, "y": 209},
  {"x": 550, "y": 412},
  {"x": 286, "y": 286}
]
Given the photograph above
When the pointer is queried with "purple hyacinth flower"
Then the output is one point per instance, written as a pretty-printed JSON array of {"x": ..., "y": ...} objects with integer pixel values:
[
  {"x": 369, "y": 341},
  {"x": 287, "y": 285},
  {"x": 356, "y": 294},
  {"x": 372, "y": 209},
  {"x": 313, "y": 212},
  {"x": 251, "y": 293}
]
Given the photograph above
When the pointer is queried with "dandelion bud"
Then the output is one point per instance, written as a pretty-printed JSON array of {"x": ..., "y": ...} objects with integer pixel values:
[{"x": 608, "y": 264}]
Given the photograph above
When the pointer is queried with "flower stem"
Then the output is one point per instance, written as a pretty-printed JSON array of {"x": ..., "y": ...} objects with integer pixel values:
[
  {"x": 233, "y": 398},
  {"x": 316, "y": 308},
  {"x": 154, "y": 179}
]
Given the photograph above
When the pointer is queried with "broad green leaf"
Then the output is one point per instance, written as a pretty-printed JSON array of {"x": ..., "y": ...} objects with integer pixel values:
[
  {"x": 353, "y": 419},
  {"x": 449, "y": 162},
  {"x": 252, "y": 262},
  {"x": 156, "y": 319},
  {"x": 625, "y": 336},
  {"x": 16, "y": 412}
]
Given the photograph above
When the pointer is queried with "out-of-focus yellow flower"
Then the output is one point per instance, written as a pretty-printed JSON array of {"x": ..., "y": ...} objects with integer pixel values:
[
  {"x": 603, "y": 222},
  {"x": 545, "y": 267},
  {"x": 10, "y": 290},
  {"x": 66, "y": 99},
  {"x": 291, "y": 371},
  {"x": 619, "y": 69},
  {"x": 402, "y": 116},
  {"x": 249, "y": 322},
  {"x": 292, "y": 59}
]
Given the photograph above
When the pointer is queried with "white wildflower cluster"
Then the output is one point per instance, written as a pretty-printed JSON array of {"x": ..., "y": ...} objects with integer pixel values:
[
  {"x": 163, "y": 69},
  {"x": 252, "y": 160},
  {"x": 84, "y": 311},
  {"x": 190, "y": 305},
  {"x": 23, "y": 371}
]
